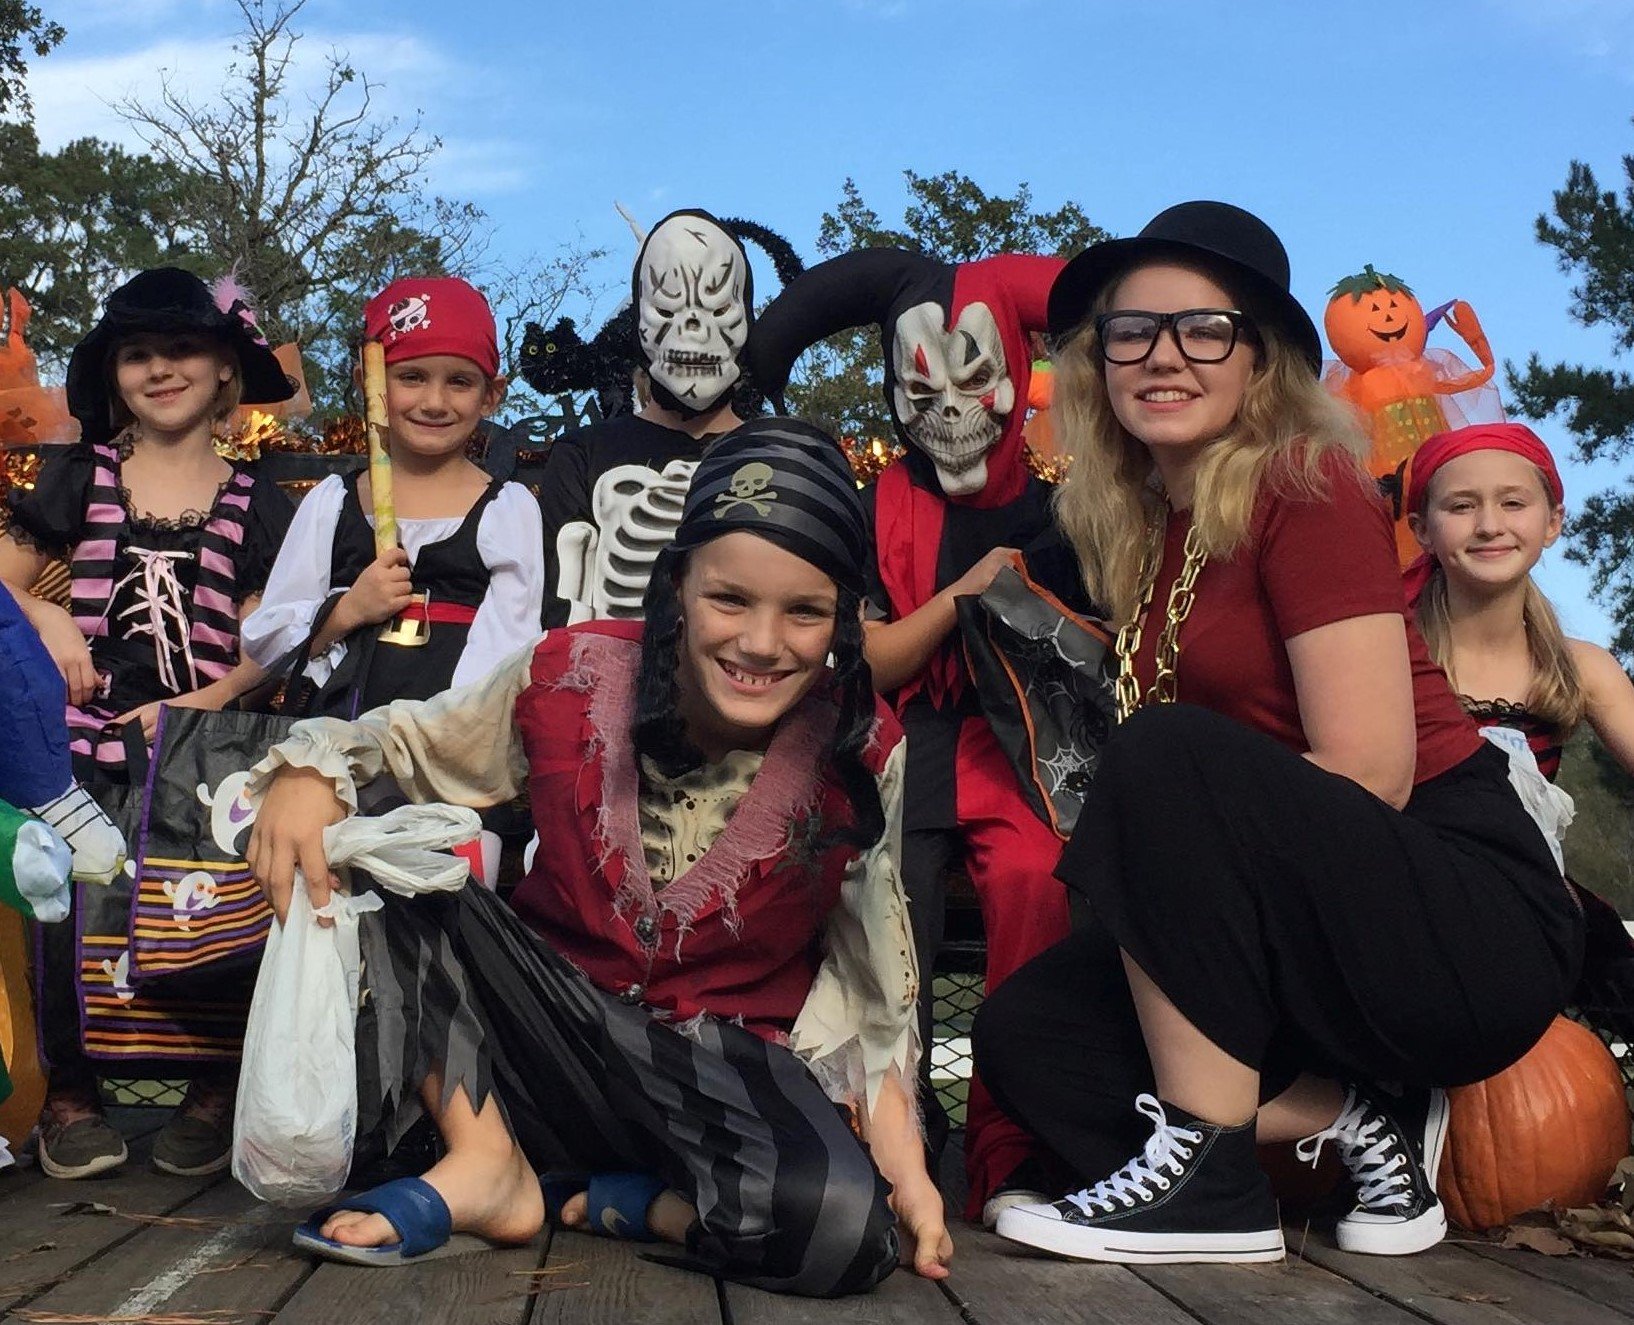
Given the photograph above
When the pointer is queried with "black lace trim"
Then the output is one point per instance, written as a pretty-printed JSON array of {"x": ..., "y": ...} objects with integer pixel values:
[
  {"x": 1499, "y": 710},
  {"x": 164, "y": 524},
  {"x": 27, "y": 539}
]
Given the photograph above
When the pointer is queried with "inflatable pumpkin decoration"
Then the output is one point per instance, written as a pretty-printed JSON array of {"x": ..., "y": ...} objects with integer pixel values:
[
  {"x": 1403, "y": 391},
  {"x": 30, "y": 414},
  {"x": 1549, "y": 1129}
]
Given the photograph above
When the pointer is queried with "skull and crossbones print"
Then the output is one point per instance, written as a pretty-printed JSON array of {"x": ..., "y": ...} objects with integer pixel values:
[{"x": 750, "y": 485}]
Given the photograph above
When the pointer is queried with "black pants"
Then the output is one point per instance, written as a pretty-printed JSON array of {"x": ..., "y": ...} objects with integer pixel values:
[
  {"x": 787, "y": 1198},
  {"x": 1298, "y": 921}
]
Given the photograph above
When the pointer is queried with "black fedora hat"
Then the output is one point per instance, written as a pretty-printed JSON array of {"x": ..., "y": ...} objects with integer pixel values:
[
  {"x": 1241, "y": 245},
  {"x": 170, "y": 300}
]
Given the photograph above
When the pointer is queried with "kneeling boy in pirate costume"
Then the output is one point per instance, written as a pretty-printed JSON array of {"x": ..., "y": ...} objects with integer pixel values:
[{"x": 712, "y": 946}]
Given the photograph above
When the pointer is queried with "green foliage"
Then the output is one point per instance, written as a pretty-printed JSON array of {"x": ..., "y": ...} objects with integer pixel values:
[
  {"x": 1592, "y": 233},
  {"x": 1600, "y": 842},
  {"x": 1366, "y": 281},
  {"x": 837, "y": 384},
  {"x": 77, "y": 222},
  {"x": 22, "y": 26}
]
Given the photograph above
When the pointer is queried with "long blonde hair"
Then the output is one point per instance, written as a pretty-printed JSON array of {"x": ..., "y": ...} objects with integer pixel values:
[
  {"x": 1286, "y": 425},
  {"x": 1556, "y": 694}
]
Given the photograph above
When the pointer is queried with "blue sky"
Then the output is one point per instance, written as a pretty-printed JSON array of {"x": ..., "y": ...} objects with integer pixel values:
[{"x": 1421, "y": 138}]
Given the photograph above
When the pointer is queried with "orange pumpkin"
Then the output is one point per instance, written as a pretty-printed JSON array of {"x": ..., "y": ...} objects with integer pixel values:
[
  {"x": 1373, "y": 319},
  {"x": 1551, "y": 1128}
]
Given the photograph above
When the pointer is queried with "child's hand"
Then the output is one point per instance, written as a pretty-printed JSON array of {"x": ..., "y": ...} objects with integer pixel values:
[
  {"x": 381, "y": 592},
  {"x": 979, "y": 578},
  {"x": 288, "y": 834},
  {"x": 71, "y": 653},
  {"x": 148, "y": 714}
]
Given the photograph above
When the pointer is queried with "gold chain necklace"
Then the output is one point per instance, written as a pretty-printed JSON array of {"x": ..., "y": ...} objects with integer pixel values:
[{"x": 1127, "y": 644}]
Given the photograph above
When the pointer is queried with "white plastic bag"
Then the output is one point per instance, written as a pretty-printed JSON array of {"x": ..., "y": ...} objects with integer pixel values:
[{"x": 297, "y": 1089}]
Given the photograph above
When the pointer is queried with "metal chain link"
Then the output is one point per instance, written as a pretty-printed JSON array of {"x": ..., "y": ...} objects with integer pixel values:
[{"x": 1182, "y": 596}]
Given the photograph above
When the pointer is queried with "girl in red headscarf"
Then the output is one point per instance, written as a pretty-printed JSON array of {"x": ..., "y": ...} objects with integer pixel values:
[{"x": 1484, "y": 502}]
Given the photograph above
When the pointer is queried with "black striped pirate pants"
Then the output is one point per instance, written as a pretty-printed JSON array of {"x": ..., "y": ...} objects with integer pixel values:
[{"x": 787, "y": 1198}]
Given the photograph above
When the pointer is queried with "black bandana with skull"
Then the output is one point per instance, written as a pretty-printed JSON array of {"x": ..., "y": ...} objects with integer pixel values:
[{"x": 694, "y": 300}]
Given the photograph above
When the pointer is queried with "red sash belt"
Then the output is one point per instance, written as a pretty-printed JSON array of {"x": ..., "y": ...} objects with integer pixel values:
[{"x": 447, "y": 614}]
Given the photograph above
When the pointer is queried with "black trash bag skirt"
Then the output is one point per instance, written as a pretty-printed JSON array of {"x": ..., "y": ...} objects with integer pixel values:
[{"x": 455, "y": 985}]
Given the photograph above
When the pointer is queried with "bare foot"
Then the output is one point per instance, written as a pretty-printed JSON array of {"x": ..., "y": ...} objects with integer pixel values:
[
  {"x": 495, "y": 1196},
  {"x": 670, "y": 1216}
]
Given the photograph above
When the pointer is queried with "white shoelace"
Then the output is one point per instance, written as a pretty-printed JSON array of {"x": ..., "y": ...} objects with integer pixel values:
[
  {"x": 160, "y": 604},
  {"x": 1375, "y": 1157},
  {"x": 1161, "y": 1155}
]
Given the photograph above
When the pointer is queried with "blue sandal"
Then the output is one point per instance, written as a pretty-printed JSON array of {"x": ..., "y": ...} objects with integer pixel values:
[
  {"x": 619, "y": 1203},
  {"x": 413, "y": 1207}
]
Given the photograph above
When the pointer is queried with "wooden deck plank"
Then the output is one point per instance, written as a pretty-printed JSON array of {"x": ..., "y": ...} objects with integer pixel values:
[
  {"x": 596, "y": 1281},
  {"x": 42, "y": 1242},
  {"x": 1295, "y": 1292},
  {"x": 238, "y": 1259},
  {"x": 1452, "y": 1286},
  {"x": 1601, "y": 1279},
  {"x": 482, "y": 1288},
  {"x": 995, "y": 1282},
  {"x": 903, "y": 1299}
]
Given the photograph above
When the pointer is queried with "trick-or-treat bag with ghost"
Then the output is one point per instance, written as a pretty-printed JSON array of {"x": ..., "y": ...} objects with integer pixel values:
[{"x": 197, "y": 905}]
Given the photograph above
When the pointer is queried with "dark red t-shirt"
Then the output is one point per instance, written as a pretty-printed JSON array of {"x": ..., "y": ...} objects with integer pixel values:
[{"x": 1307, "y": 562}]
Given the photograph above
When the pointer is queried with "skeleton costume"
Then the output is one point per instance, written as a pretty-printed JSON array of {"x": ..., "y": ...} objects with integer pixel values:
[
  {"x": 483, "y": 570},
  {"x": 611, "y": 495},
  {"x": 698, "y": 967},
  {"x": 957, "y": 372}
]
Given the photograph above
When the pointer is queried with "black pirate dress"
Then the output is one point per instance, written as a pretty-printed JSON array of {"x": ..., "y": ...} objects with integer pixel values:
[
  {"x": 483, "y": 572},
  {"x": 157, "y": 598}
]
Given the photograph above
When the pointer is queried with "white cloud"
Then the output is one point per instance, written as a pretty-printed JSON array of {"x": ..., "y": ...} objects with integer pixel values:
[{"x": 75, "y": 95}]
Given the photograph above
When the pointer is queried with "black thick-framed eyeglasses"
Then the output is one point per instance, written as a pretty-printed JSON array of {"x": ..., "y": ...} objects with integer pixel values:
[{"x": 1203, "y": 335}]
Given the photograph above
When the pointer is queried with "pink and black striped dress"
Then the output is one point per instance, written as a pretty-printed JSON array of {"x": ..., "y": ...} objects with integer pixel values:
[{"x": 158, "y": 599}]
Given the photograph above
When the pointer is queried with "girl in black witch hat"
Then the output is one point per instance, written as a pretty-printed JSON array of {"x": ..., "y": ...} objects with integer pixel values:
[
  {"x": 711, "y": 948},
  {"x": 168, "y": 545},
  {"x": 1309, "y": 873}
]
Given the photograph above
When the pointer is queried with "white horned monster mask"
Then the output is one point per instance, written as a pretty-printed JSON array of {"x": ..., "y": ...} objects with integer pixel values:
[
  {"x": 694, "y": 303},
  {"x": 953, "y": 391}
]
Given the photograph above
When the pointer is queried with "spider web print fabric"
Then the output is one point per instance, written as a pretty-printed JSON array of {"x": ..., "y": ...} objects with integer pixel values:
[{"x": 1046, "y": 689}]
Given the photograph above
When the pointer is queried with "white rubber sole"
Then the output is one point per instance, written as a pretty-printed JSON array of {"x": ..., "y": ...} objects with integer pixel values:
[
  {"x": 1083, "y": 1243},
  {"x": 73, "y": 1172},
  {"x": 1384, "y": 1236},
  {"x": 1393, "y": 1237},
  {"x": 997, "y": 1204}
]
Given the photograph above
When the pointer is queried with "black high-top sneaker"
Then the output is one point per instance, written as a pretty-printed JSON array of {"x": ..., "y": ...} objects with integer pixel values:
[
  {"x": 1391, "y": 1146},
  {"x": 1195, "y": 1193}
]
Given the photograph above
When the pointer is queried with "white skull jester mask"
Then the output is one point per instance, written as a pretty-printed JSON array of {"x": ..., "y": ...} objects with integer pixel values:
[
  {"x": 953, "y": 390},
  {"x": 693, "y": 315}
]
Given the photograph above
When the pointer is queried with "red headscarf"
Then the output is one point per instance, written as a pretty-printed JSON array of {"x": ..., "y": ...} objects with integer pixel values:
[
  {"x": 1516, "y": 438},
  {"x": 422, "y": 316}
]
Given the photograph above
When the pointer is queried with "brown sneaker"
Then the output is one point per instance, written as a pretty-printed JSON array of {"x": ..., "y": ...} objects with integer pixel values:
[
  {"x": 198, "y": 1139},
  {"x": 76, "y": 1138}
]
